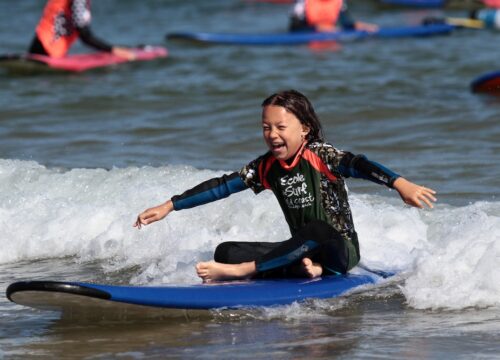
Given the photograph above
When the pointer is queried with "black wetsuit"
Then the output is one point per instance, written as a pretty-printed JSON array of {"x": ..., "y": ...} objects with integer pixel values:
[{"x": 312, "y": 194}]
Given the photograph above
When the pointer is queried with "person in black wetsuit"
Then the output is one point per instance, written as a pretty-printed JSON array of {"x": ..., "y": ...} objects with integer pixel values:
[
  {"x": 307, "y": 175},
  {"x": 62, "y": 22}
]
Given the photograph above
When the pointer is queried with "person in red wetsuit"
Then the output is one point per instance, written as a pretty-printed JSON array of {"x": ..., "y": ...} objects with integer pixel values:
[
  {"x": 64, "y": 21},
  {"x": 495, "y": 4},
  {"x": 324, "y": 15},
  {"x": 307, "y": 176}
]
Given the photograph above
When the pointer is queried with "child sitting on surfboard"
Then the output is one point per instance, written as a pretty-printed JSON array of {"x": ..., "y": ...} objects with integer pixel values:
[
  {"x": 307, "y": 175},
  {"x": 62, "y": 22},
  {"x": 324, "y": 15}
]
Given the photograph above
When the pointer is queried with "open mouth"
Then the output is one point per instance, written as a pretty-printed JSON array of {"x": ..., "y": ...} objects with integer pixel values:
[{"x": 277, "y": 146}]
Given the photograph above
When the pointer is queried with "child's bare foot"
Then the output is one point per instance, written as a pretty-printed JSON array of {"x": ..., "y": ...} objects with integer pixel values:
[
  {"x": 311, "y": 269},
  {"x": 211, "y": 270}
]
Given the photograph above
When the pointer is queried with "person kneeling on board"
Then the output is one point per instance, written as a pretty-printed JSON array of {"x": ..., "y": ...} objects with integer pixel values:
[
  {"x": 64, "y": 21},
  {"x": 325, "y": 15}
]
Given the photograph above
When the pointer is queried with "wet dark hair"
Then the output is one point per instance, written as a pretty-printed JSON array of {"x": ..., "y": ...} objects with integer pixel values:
[{"x": 298, "y": 104}]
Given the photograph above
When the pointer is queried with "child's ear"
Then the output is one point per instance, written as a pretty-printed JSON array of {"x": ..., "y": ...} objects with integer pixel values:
[{"x": 305, "y": 130}]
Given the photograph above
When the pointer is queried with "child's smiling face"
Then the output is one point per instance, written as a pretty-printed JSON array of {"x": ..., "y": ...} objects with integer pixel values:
[{"x": 283, "y": 132}]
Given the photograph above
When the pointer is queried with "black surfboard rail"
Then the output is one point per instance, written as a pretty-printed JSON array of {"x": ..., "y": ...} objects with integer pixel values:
[{"x": 55, "y": 286}]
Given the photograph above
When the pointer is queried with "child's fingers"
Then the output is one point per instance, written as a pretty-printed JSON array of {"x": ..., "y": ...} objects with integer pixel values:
[
  {"x": 143, "y": 219},
  {"x": 138, "y": 222},
  {"x": 428, "y": 202},
  {"x": 427, "y": 198},
  {"x": 428, "y": 190},
  {"x": 425, "y": 195},
  {"x": 416, "y": 202},
  {"x": 430, "y": 193}
]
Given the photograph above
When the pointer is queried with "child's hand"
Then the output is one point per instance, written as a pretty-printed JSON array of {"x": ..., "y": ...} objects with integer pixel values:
[
  {"x": 153, "y": 214},
  {"x": 413, "y": 194}
]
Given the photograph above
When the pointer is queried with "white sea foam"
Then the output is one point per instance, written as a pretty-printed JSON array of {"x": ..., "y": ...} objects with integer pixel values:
[
  {"x": 449, "y": 256},
  {"x": 460, "y": 267}
]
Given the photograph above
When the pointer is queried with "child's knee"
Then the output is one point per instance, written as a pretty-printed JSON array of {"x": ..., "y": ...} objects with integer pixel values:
[{"x": 222, "y": 252}]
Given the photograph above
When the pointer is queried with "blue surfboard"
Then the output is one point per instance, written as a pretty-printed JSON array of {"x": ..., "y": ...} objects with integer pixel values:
[
  {"x": 426, "y": 4},
  {"x": 487, "y": 83},
  {"x": 60, "y": 296},
  {"x": 299, "y": 38}
]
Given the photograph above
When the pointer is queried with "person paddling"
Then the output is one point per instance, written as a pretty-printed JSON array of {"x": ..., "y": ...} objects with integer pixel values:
[
  {"x": 64, "y": 21},
  {"x": 323, "y": 16}
]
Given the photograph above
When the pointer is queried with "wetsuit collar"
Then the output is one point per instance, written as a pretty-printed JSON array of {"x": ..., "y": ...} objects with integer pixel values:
[{"x": 284, "y": 163}]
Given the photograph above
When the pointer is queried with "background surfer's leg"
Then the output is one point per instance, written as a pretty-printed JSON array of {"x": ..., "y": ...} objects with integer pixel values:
[{"x": 36, "y": 47}]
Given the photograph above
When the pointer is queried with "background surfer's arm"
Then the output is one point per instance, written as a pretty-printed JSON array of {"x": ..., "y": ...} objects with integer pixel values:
[
  {"x": 358, "y": 166},
  {"x": 208, "y": 191},
  {"x": 82, "y": 18},
  {"x": 91, "y": 40},
  {"x": 345, "y": 20}
]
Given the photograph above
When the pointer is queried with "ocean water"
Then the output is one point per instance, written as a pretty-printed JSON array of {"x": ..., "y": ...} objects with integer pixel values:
[{"x": 81, "y": 155}]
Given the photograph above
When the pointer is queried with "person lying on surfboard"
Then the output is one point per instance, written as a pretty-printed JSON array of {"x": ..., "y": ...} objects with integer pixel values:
[
  {"x": 64, "y": 21},
  {"x": 307, "y": 176},
  {"x": 325, "y": 15}
]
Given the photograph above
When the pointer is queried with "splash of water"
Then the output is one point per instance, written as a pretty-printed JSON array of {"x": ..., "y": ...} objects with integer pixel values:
[{"x": 449, "y": 256}]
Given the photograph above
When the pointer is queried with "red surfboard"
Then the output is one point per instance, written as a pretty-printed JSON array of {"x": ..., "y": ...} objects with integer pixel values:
[{"x": 80, "y": 62}]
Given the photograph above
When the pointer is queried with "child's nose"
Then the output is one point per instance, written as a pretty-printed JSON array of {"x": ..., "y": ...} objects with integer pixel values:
[{"x": 273, "y": 133}]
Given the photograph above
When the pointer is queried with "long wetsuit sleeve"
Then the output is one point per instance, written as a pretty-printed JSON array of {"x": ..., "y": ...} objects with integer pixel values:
[
  {"x": 345, "y": 20},
  {"x": 208, "y": 191},
  {"x": 358, "y": 166},
  {"x": 81, "y": 17},
  {"x": 89, "y": 39}
]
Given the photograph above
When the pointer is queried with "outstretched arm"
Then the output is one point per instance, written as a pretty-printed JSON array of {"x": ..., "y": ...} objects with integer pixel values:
[
  {"x": 91, "y": 40},
  {"x": 208, "y": 191},
  {"x": 347, "y": 23},
  {"x": 360, "y": 167},
  {"x": 82, "y": 18},
  {"x": 413, "y": 194}
]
